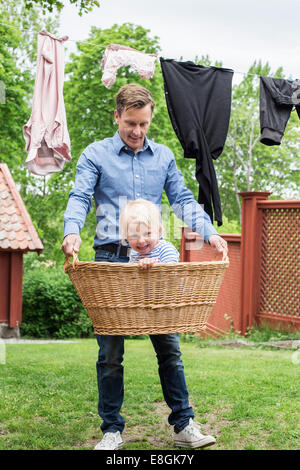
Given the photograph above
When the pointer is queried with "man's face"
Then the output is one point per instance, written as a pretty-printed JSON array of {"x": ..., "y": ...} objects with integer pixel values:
[{"x": 133, "y": 126}]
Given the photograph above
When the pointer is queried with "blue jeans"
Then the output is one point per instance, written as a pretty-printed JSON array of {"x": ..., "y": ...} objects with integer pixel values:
[{"x": 110, "y": 374}]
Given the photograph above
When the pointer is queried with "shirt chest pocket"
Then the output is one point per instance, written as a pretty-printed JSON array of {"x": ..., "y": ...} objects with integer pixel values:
[{"x": 154, "y": 182}]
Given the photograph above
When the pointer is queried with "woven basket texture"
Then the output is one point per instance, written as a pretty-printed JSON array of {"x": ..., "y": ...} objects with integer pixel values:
[{"x": 123, "y": 299}]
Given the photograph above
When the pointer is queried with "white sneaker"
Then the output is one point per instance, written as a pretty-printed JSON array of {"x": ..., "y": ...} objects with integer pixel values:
[
  {"x": 191, "y": 436},
  {"x": 110, "y": 441}
]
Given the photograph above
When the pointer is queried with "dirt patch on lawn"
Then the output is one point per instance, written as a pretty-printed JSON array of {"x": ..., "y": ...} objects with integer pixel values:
[
  {"x": 160, "y": 435},
  {"x": 214, "y": 424}
]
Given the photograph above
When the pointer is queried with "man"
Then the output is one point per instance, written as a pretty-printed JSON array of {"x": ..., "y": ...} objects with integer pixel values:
[{"x": 115, "y": 170}]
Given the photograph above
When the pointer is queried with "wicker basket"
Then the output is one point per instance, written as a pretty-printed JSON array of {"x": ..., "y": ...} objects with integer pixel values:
[{"x": 123, "y": 299}]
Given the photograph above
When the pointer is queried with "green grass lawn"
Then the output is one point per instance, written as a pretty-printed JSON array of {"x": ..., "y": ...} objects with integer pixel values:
[{"x": 248, "y": 398}]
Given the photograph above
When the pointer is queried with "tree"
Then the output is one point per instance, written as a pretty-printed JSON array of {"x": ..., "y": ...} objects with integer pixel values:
[
  {"x": 14, "y": 106},
  {"x": 17, "y": 72},
  {"x": 248, "y": 165},
  {"x": 18, "y": 46},
  {"x": 245, "y": 163},
  {"x": 90, "y": 105},
  {"x": 48, "y": 5}
]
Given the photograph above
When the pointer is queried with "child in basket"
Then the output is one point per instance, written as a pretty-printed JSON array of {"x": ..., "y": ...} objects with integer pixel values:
[{"x": 141, "y": 226}]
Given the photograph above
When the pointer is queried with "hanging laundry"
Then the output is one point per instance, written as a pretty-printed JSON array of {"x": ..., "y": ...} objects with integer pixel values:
[
  {"x": 199, "y": 103},
  {"x": 277, "y": 97},
  {"x": 46, "y": 133},
  {"x": 115, "y": 56}
]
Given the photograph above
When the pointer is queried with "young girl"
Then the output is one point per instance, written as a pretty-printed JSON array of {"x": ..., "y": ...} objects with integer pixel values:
[{"x": 141, "y": 226}]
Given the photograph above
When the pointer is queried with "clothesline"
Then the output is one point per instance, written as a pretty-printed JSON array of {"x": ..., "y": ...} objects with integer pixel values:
[
  {"x": 31, "y": 31},
  {"x": 100, "y": 46}
]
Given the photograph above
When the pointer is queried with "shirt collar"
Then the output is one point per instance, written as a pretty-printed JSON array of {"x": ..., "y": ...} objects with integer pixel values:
[{"x": 119, "y": 144}]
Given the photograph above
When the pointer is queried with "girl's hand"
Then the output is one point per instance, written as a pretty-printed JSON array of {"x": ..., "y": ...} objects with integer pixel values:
[{"x": 147, "y": 263}]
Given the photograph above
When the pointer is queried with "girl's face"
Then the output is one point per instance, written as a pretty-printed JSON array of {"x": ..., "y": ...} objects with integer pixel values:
[{"x": 142, "y": 238}]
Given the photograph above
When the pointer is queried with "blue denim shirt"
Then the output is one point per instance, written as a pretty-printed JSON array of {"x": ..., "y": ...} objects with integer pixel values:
[{"x": 110, "y": 172}]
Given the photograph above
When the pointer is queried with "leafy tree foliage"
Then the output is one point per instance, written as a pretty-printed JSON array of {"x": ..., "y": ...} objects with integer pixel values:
[
  {"x": 18, "y": 47},
  {"x": 248, "y": 165},
  {"x": 15, "y": 87},
  {"x": 245, "y": 163},
  {"x": 48, "y": 5}
]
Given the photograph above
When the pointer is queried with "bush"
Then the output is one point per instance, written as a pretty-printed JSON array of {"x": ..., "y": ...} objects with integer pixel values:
[{"x": 51, "y": 306}]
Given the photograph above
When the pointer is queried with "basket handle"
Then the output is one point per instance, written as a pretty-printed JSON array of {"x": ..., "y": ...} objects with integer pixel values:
[
  {"x": 75, "y": 260},
  {"x": 224, "y": 257}
]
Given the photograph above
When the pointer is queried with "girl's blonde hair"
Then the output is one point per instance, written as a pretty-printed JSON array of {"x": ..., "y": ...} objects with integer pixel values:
[{"x": 139, "y": 211}]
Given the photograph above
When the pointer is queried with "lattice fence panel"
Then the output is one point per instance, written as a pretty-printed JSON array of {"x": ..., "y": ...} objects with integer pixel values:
[{"x": 280, "y": 262}]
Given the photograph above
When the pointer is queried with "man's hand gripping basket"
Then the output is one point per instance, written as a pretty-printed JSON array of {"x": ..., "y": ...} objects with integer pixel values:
[{"x": 123, "y": 299}]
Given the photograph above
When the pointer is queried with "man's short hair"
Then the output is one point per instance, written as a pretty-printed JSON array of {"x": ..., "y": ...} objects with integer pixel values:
[{"x": 133, "y": 96}]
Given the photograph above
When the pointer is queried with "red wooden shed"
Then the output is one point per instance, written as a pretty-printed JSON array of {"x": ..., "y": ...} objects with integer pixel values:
[{"x": 17, "y": 236}]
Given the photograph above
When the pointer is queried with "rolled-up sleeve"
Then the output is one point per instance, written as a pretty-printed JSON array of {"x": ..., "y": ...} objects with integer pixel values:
[
  {"x": 184, "y": 204},
  {"x": 80, "y": 197}
]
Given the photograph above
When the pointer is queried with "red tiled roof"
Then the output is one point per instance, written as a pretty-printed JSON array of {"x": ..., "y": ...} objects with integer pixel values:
[{"x": 16, "y": 229}]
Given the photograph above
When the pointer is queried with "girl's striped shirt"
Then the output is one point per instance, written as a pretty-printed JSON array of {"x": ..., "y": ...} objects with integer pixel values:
[{"x": 164, "y": 251}]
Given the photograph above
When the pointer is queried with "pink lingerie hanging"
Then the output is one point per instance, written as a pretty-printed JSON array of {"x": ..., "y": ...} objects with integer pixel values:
[
  {"x": 115, "y": 56},
  {"x": 46, "y": 133}
]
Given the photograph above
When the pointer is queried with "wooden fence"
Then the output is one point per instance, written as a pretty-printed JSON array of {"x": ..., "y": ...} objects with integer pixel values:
[{"x": 262, "y": 283}]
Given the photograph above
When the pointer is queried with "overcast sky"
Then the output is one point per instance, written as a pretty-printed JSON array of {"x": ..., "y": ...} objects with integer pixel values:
[{"x": 235, "y": 32}]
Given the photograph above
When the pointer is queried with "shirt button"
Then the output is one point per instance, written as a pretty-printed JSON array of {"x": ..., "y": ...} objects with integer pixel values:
[
  {"x": 138, "y": 194},
  {"x": 137, "y": 176},
  {"x": 134, "y": 158}
]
